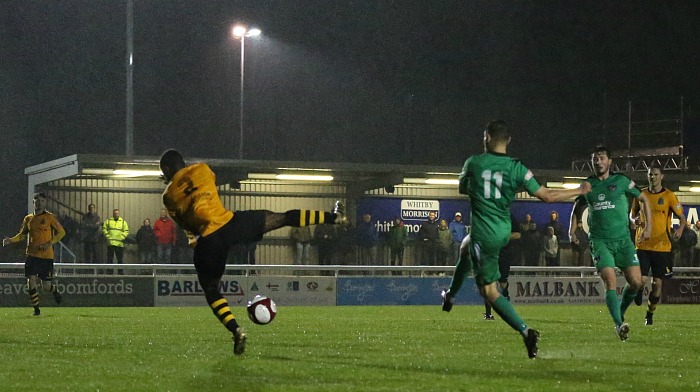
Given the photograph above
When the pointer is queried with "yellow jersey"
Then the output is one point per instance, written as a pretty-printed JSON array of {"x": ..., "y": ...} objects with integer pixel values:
[
  {"x": 40, "y": 229},
  {"x": 193, "y": 202},
  {"x": 662, "y": 205}
]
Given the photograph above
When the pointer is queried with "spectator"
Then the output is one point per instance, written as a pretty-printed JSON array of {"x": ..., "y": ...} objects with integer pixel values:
[
  {"x": 325, "y": 237},
  {"x": 458, "y": 230},
  {"x": 184, "y": 251},
  {"x": 346, "y": 249},
  {"x": 302, "y": 243},
  {"x": 146, "y": 241},
  {"x": 367, "y": 238},
  {"x": 687, "y": 244},
  {"x": 558, "y": 232},
  {"x": 531, "y": 242},
  {"x": 398, "y": 234},
  {"x": 115, "y": 231},
  {"x": 90, "y": 233},
  {"x": 696, "y": 249},
  {"x": 580, "y": 246},
  {"x": 444, "y": 248},
  {"x": 551, "y": 248},
  {"x": 428, "y": 236},
  {"x": 166, "y": 237}
]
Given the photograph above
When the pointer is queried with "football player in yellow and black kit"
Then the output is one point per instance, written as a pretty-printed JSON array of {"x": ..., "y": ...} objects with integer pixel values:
[
  {"x": 655, "y": 253},
  {"x": 193, "y": 202},
  {"x": 43, "y": 231}
]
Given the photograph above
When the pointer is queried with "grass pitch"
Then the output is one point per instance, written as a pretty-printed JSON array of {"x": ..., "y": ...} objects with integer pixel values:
[{"x": 379, "y": 348}]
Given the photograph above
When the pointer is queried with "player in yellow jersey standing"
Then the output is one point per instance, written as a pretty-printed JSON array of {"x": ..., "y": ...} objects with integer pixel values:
[
  {"x": 192, "y": 200},
  {"x": 655, "y": 254},
  {"x": 42, "y": 230}
]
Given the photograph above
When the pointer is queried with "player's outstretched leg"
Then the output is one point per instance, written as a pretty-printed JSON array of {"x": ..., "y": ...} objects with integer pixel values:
[
  {"x": 487, "y": 311},
  {"x": 531, "y": 339},
  {"x": 505, "y": 310},
  {"x": 628, "y": 295},
  {"x": 504, "y": 289},
  {"x": 640, "y": 297},
  {"x": 651, "y": 308},
  {"x": 622, "y": 331},
  {"x": 339, "y": 211},
  {"x": 34, "y": 298},
  {"x": 222, "y": 311},
  {"x": 447, "y": 300},
  {"x": 461, "y": 271},
  {"x": 239, "y": 338},
  {"x": 32, "y": 286},
  {"x": 302, "y": 218},
  {"x": 50, "y": 287},
  {"x": 613, "y": 304}
]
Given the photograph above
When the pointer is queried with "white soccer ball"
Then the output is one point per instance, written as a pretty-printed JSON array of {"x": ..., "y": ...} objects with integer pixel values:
[{"x": 261, "y": 310}]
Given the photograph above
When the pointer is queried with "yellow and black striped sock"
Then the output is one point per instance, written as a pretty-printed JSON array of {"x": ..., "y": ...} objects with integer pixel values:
[
  {"x": 223, "y": 313},
  {"x": 302, "y": 218},
  {"x": 34, "y": 297}
]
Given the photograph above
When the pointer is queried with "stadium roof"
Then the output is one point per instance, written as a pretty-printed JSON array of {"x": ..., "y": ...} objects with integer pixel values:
[{"x": 357, "y": 177}]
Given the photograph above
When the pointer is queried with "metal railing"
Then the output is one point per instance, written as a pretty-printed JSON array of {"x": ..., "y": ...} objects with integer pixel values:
[
  {"x": 68, "y": 269},
  {"x": 62, "y": 248}
]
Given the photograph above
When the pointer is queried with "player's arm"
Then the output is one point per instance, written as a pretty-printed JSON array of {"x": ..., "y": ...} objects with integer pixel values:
[
  {"x": 677, "y": 209},
  {"x": 646, "y": 210},
  {"x": 464, "y": 179},
  {"x": 191, "y": 238},
  {"x": 543, "y": 193},
  {"x": 576, "y": 216},
  {"x": 21, "y": 236},
  {"x": 58, "y": 231},
  {"x": 549, "y": 195},
  {"x": 634, "y": 213}
]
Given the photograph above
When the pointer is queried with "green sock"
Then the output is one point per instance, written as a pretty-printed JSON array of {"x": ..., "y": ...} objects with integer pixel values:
[
  {"x": 461, "y": 271},
  {"x": 613, "y": 306},
  {"x": 627, "y": 297},
  {"x": 503, "y": 308}
]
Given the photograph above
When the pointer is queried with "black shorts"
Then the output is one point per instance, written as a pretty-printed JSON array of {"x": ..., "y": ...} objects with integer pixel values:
[
  {"x": 211, "y": 251},
  {"x": 43, "y": 268},
  {"x": 657, "y": 262}
]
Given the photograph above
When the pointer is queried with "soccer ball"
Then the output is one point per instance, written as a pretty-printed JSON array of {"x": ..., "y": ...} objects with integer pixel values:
[{"x": 261, "y": 310}]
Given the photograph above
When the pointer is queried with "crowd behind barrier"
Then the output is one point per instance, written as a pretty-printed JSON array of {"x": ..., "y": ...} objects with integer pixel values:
[{"x": 432, "y": 249}]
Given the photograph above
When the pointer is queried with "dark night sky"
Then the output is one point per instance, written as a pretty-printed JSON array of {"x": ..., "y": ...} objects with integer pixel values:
[{"x": 410, "y": 82}]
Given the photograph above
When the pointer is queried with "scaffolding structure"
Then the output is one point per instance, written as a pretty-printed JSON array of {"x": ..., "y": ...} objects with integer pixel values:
[{"x": 637, "y": 145}]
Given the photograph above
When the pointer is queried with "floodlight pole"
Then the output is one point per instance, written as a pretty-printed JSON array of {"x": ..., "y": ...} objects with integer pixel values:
[
  {"x": 241, "y": 32},
  {"x": 240, "y": 115}
]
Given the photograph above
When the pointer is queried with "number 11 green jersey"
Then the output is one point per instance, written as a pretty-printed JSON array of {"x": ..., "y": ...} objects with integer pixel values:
[{"x": 491, "y": 180}]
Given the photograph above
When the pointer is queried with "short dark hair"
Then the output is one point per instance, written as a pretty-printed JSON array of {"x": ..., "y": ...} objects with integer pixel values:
[
  {"x": 498, "y": 130},
  {"x": 172, "y": 158},
  {"x": 600, "y": 148},
  {"x": 38, "y": 195},
  {"x": 656, "y": 165}
]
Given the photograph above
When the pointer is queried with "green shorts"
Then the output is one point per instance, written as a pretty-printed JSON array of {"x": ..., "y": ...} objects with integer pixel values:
[
  {"x": 614, "y": 253},
  {"x": 484, "y": 258}
]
